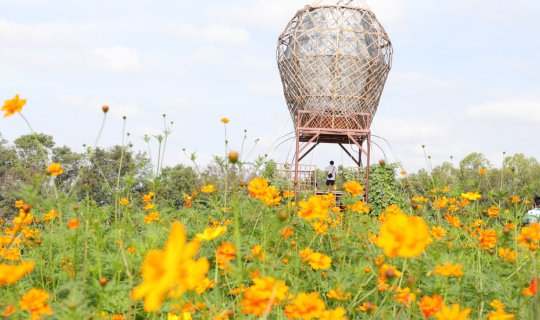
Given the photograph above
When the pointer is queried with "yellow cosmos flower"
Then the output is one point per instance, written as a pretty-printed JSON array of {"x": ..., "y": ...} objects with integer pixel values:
[
  {"x": 51, "y": 215},
  {"x": 453, "y": 313},
  {"x": 471, "y": 196},
  {"x": 208, "y": 188},
  {"x": 507, "y": 254},
  {"x": 54, "y": 169},
  {"x": 13, "y": 106},
  {"x": 353, "y": 187},
  {"x": 211, "y": 233},
  {"x": 172, "y": 270},
  {"x": 404, "y": 236},
  {"x": 124, "y": 201}
]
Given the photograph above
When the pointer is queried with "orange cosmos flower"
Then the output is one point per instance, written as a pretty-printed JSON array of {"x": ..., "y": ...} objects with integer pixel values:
[
  {"x": 493, "y": 212},
  {"x": 438, "y": 232},
  {"x": 262, "y": 295},
  {"x": 54, "y": 169},
  {"x": 353, "y": 187},
  {"x": 271, "y": 196},
  {"x": 429, "y": 306},
  {"x": 440, "y": 203},
  {"x": 315, "y": 208},
  {"x": 338, "y": 294},
  {"x": 258, "y": 252},
  {"x": 208, "y": 188},
  {"x": 73, "y": 224},
  {"x": 204, "y": 285},
  {"x": 170, "y": 271},
  {"x": 533, "y": 288},
  {"x": 320, "y": 227},
  {"x": 319, "y": 261},
  {"x": 9, "y": 274},
  {"x": 9, "y": 311},
  {"x": 147, "y": 197},
  {"x": 530, "y": 236},
  {"x": 305, "y": 253},
  {"x": 388, "y": 271},
  {"x": 454, "y": 221},
  {"x": 151, "y": 217},
  {"x": 453, "y": 313},
  {"x": 257, "y": 187},
  {"x": 360, "y": 207},
  {"x": 334, "y": 314},
  {"x": 367, "y": 307},
  {"x": 305, "y": 306},
  {"x": 405, "y": 297},
  {"x": 225, "y": 253},
  {"x": 449, "y": 270},
  {"x": 19, "y": 204},
  {"x": 35, "y": 301},
  {"x": 507, "y": 255},
  {"x": 499, "y": 313},
  {"x": 482, "y": 171},
  {"x": 487, "y": 238},
  {"x": 287, "y": 233},
  {"x": 404, "y": 236},
  {"x": 225, "y": 120},
  {"x": 515, "y": 199},
  {"x": 288, "y": 194},
  {"x": 13, "y": 106},
  {"x": 189, "y": 199}
]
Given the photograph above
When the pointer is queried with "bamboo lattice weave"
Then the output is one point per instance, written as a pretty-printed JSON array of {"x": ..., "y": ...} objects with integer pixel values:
[{"x": 334, "y": 59}]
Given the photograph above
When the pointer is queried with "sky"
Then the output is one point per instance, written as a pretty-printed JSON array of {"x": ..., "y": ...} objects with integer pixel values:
[{"x": 464, "y": 77}]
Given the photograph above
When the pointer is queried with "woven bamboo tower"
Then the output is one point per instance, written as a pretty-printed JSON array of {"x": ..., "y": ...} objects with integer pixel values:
[{"x": 334, "y": 57}]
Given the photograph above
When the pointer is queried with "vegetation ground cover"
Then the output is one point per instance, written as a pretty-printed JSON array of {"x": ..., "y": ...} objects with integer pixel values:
[{"x": 106, "y": 235}]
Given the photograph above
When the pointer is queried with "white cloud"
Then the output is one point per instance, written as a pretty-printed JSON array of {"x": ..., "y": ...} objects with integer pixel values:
[
  {"x": 220, "y": 34},
  {"x": 510, "y": 112},
  {"x": 117, "y": 59},
  {"x": 37, "y": 35}
]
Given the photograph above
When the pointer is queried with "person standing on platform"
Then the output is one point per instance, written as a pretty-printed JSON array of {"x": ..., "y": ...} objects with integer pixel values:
[{"x": 331, "y": 173}]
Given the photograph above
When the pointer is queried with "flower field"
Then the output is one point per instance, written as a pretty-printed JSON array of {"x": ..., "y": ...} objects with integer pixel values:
[{"x": 241, "y": 248}]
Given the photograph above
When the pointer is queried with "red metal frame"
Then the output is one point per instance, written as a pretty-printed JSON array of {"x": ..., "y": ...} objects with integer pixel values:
[{"x": 314, "y": 127}]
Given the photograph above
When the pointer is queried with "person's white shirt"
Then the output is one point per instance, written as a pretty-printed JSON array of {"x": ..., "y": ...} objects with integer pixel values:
[
  {"x": 331, "y": 169},
  {"x": 532, "y": 216}
]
